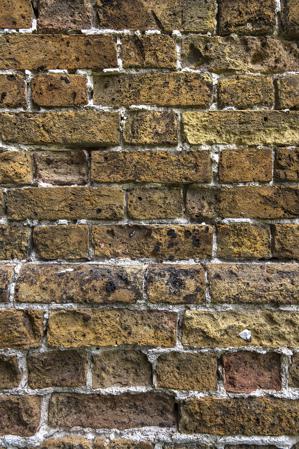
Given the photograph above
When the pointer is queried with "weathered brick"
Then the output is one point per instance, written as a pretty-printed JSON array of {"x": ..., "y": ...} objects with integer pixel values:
[
  {"x": 147, "y": 203},
  {"x": 2, "y": 206},
  {"x": 286, "y": 166},
  {"x": 286, "y": 241},
  {"x": 121, "y": 368},
  {"x": 163, "y": 89},
  {"x": 85, "y": 128},
  {"x": 151, "y": 127},
  {"x": 247, "y": 16},
  {"x": 6, "y": 275},
  {"x": 61, "y": 242},
  {"x": 61, "y": 15},
  {"x": 70, "y": 203},
  {"x": 19, "y": 415},
  {"x": 121, "y": 411},
  {"x": 243, "y": 241},
  {"x": 250, "y": 371},
  {"x": 240, "y": 416},
  {"x": 151, "y": 166},
  {"x": 150, "y": 51},
  {"x": 10, "y": 375},
  {"x": 82, "y": 283},
  {"x": 290, "y": 17},
  {"x": 250, "y": 446},
  {"x": 12, "y": 91},
  {"x": 59, "y": 90},
  {"x": 294, "y": 371},
  {"x": 14, "y": 242},
  {"x": 245, "y": 165},
  {"x": 158, "y": 241},
  {"x": 175, "y": 284},
  {"x": 61, "y": 167},
  {"x": 20, "y": 329},
  {"x": 271, "y": 329},
  {"x": 186, "y": 371},
  {"x": 92, "y": 327},
  {"x": 42, "y": 52},
  {"x": 15, "y": 14},
  {"x": 257, "y": 283},
  {"x": 121, "y": 443},
  {"x": 15, "y": 167},
  {"x": 199, "y": 15},
  {"x": 241, "y": 127},
  {"x": 57, "y": 369},
  {"x": 67, "y": 442},
  {"x": 242, "y": 54},
  {"x": 245, "y": 92},
  {"x": 288, "y": 92}
]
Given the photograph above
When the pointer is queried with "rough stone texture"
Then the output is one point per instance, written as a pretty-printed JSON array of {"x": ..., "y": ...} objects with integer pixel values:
[
  {"x": 121, "y": 368},
  {"x": 20, "y": 329},
  {"x": 175, "y": 284},
  {"x": 243, "y": 241},
  {"x": 288, "y": 92},
  {"x": 69, "y": 203},
  {"x": 247, "y": 16},
  {"x": 286, "y": 166},
  {"x": 121, "y": 443},
  {"x": 10, "y": 375},
  {"x": 59, "y": 90},
  {"x": 81, "y": 128},
  {"x": 19, "y": 415},
  {"x": 290, "y": 18},
  {"x": 14, "y": 242},
  {"x": 122, "y": 411},
  {"x": 67, "y": 442},
  {"x": 91, "y": 327},
  {"x": 286, "y": 241},
  {"x": 57, "y": 369},
  {"x": 249, "y": 371},
  {"x": 61, "y": 167},
  {"x": 12, "y": 91},
  {"x": 240, "y": 416},
  {"x": 294, "y": 371},
  {"x": 270, "y": 329},
  {"x": 151, "y": 166},
  {"x": 151, "y": 127},
  {"x": 62, "y": 15},
  {"x": 245, "y": 92},
  {"x": 258, "y": 283},
  {"x": 15, "y": 167},
  {"x": 157, "y": 241},
  {"x": 6, "y": 276},
  {"x": 155, "y": 203},
  {"x": 95, "y": 284},
  {"x": 15, "y": 14},
  {"x": 185, "y": 371}
]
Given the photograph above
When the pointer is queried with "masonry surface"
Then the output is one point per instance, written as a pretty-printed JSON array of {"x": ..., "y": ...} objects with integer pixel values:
[{"x": 149, "y": 224}]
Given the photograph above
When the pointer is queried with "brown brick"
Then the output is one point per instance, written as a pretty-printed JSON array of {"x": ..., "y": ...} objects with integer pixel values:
[
  {"x": 241, "y": 127},
  {"x": 69, "y": 203},
  {"x": 163, "y": 89},
  {"x": 61, "y": 167},
  {"x": 151, "y": 166},
  {"x": 202, "y": 203},
  {"x": 258, "y": 283},
  {"x": 85, "y": 128},
  {"x": 61, "y": 242},
  {"x": 250, "y": 446},
  {"x": 19, "y": 415},
  {"x": 244, "y": 92},
  {"x": 67, "y": 442},
  {"x": 175, "y": 284},
  {"x": 2, "y": 206},
  {"x": 12, "y": 91},
  {"x": 294, "y": 371},
  {"x": 14, "y": 242},
  {"x": 121, "y": 411},
  {"x": 269, "y": 329},
  {"x": 247, "y": 16},
  {"x": 240, "y": 416},
  {"x": 151, "y": 128},
  {"x": 288, "y": 92},
  {"x": 187, "y": 445},
  {"x": 59, "y": 90},
  {"x": 82, "y": 283},
  {"x": 57, "y": 369},
  {"x": 158, "y": 241},
  {"x": 148, "y": 203},
  {"x": 245, "y": 165},
  {"x": 10, "y": 375},
  {"x": 20, "y": 329},
  {"x": 15, "y": 14},
  {"x": 186, "y": 371},
  {"x": 151, "y": 51},
  {"x": 121, "y": 443},
  {"x": 92, "y": 327},
  {"x": 121, "y": 368},
  {"x": 61, "y": 15},
  {"x": 6, "y": 275},
  {"x": 199, "y": 15},
  {"x": 243, "y": 54},
  {"x": 243, "y": 241},
  {"x": 15, "y": 167},
  {"x": 249, "y": 371},
  {"x": 286, "y": 241},
  {"x": 286, "y": 167},
  {"x": 290, "y": 18},
  {"x": 42, "y": 52}
]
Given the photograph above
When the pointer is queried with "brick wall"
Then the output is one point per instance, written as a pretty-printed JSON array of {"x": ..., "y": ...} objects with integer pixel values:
[{"x": 149, "y": 230}]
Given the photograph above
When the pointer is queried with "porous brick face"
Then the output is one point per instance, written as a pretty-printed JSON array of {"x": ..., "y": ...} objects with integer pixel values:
[{"x": 149, "y": 233}]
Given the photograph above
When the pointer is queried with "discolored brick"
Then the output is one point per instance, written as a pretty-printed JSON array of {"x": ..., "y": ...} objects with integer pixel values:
[
  {"x": 61, "y": 167},
  {"x": 15, "y": 14},
  {"x": 286, "y": 241},
  {"x": 121, "y": 443},
  {"x": 20, "y": 329},
  {"x": 62, "y": 15},
  {"x": 66, "y": 442},
  {"x": 286, "y": 166},
  {"x": 10, "y": 375},
  {"x": 59, "y": 90},
  {"x": 245, "y": 92},
  {"x": 6, "y": 276},
  {"x": 148, "y": 203},
  {"x": 16, "y": 167},
  {"x": 294, "y": 371},
  {"x": 290, "y": 18},
  {"x": 12, "y": 91},
  {"x": 149, "y": 51},
  {"x": 288, "y": 92},
  {"x": 19, "y": 415},
  {"x": 14, "y": 242},
  {"x": 151, "y": 128}
]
